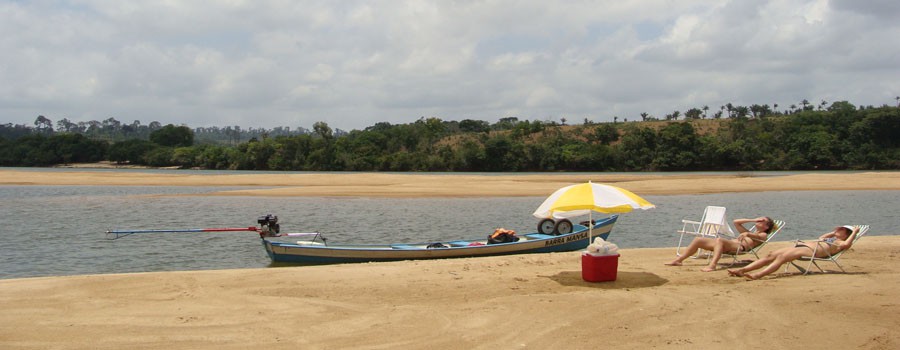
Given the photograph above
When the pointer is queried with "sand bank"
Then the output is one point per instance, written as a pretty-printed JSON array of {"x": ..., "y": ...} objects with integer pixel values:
[
  {"x": 430, "y": 185},
  {"x": 525, "y": 301}
]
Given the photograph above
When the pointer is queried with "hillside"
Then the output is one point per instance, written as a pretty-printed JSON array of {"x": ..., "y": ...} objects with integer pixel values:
[{"x": 840, "y": 137}]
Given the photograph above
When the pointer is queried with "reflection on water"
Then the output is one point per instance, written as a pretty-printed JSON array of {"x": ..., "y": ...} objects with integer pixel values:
[{"x": 59, "y": 230}]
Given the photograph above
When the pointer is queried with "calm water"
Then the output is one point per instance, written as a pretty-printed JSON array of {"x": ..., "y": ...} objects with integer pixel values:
[{"x": 59, "y": 230}]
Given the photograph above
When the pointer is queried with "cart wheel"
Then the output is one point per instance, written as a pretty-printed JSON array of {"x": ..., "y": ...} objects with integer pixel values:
[
  {"x": 564, "y": 226},
  {"x": 546, "y": 226}
]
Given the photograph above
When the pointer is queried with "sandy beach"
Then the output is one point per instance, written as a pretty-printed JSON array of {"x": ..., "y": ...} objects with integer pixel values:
[{"x": 534, "y": 301}]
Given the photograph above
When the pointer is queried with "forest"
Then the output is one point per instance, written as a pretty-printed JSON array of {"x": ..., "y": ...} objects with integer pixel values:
[{"x": 836, "y": 136}]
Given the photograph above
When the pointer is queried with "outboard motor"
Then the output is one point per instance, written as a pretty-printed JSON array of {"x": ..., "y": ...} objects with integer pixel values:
[{"x": 268, "y": 225}]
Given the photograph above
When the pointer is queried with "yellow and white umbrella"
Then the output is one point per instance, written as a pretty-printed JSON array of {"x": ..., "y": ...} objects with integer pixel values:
[
  {"x": 586, "y": 198},
  {"x": 581, "y": 199}
]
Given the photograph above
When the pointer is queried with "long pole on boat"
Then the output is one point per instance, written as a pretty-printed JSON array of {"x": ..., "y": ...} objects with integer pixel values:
[{"x": 121, "y": 233}]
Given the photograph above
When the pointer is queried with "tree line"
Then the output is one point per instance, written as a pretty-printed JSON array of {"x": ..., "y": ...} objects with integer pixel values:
[{"x": 830, "y": 136}]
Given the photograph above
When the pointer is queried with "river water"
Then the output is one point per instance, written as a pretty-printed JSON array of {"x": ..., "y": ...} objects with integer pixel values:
[{"x": 60, "y": 230}]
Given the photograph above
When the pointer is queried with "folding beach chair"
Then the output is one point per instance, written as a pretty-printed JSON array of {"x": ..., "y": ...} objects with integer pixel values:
[
  {"x": 776, "y": 227},
  {"x": 712, "y": 224},
  {"x": 863, "y": 229}
]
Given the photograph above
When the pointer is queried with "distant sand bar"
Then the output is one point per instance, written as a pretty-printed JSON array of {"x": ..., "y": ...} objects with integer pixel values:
[{"x": 463, "y": 185}]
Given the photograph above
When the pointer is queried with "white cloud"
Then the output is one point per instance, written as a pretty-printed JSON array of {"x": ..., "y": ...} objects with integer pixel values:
[{"x": 355, "y": 63}]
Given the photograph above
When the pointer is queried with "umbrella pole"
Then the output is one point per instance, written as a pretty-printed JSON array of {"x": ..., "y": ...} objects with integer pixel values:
[{"x": 590, "y": 226}]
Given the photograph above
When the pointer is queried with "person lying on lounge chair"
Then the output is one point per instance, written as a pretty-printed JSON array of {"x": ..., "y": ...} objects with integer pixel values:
[
  {"x": 745, "y": 241},
  {"x": 828, "y": 244}
]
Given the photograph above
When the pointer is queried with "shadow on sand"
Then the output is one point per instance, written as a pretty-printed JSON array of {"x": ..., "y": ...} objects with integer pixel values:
[{"x": 624, "y": 279}]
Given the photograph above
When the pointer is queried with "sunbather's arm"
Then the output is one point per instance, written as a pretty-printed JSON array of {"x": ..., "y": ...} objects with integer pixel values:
[
  {"x": 739, "y": 224},
  {"x": 849, "y": 241},
  {"x": 826, "y": 235},
  {"x": 841, "y": 244}
]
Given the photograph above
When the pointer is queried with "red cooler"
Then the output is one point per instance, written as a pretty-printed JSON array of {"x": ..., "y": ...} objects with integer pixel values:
[{"x": 599, "y": 268}]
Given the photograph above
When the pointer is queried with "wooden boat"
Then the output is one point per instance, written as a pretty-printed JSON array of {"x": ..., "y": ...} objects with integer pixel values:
[{"x": 313, "y": 252}]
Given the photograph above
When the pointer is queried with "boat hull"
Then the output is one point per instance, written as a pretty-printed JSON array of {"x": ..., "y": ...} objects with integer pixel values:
[{"x": 282, "y": 252}]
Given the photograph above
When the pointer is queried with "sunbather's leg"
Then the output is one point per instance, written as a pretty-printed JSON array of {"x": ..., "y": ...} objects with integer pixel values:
[
  {"x": 722, "y": 245},
  {"x": 696, "y": 244},
  {"x": 758, "y": 263},
  {"x": 788, "y": 255},
  {"x": 752, "y": 266}
]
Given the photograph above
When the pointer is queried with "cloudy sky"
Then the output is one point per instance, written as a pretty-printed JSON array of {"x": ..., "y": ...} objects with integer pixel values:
[{"x": 355, "y": 63}]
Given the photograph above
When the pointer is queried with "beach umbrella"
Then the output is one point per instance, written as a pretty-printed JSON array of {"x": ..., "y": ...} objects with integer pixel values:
[{"x": 586, "y": 198}]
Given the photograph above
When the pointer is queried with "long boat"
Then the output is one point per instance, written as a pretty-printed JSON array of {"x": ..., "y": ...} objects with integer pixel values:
[{"x": 311, "y": 252}]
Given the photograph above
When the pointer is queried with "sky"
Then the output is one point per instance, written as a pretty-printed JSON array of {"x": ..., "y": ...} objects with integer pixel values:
[{"x": 352, "y": 64}]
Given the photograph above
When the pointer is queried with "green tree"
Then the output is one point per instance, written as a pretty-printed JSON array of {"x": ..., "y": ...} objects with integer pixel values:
[
  {"x": 499, "y": 150},
  {"x": 637, "y": 149},
  {"x": 173, "y": 136},
  {"x": 186, "y": 157},
  {"x": 693, "y": 113},
  {"x": 214, "y": 157},
  {"x": 130, "y": 151},
  {"x": 159, "y": 157},
  {"x": 605, "y": 134},
  {"x": 676, "y": 147},
  {"x": 44, "y": 125},
  {"x": 469, "y": 125}
]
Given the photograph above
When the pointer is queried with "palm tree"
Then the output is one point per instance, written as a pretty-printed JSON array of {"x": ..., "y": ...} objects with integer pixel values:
[{"x": 705, "y": 110}]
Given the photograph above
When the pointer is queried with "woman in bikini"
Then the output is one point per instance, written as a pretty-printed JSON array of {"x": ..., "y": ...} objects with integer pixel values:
[
  {"x": 745, "y": 241},
  {"x": 828, "y": 244}
]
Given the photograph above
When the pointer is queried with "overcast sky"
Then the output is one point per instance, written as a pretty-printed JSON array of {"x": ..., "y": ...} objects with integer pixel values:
[{"x": 355, "y": 63}]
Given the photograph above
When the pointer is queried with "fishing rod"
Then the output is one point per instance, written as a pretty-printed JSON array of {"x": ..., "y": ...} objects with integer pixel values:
[
  {"x": 268, "y": 227},
  {"x": 116, "y": 234}
]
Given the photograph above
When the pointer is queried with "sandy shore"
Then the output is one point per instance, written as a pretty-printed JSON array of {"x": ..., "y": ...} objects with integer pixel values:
[{"x": 528, "y": 301}]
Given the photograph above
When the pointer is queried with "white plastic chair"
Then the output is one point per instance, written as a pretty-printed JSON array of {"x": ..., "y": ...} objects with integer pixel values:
[{"x": 711, "y": 225}]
